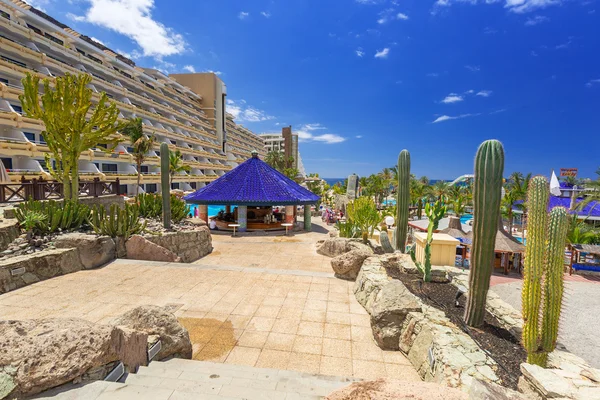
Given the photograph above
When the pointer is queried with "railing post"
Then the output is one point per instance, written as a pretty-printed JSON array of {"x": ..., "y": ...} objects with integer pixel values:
[
  {"x": 117, "y": 188},
  {"x": 2, "y": 193},
  {"x": 95, "y": 186}
]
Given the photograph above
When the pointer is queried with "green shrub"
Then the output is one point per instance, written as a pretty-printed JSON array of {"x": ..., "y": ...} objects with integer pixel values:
[
  {"x": 150, "y": 205},
  {"x": 66, "y": 215},
  {"x": 179, "y": 210},
  {"x": 347, "y": 229},
  {"x": 117, "y": 222}
]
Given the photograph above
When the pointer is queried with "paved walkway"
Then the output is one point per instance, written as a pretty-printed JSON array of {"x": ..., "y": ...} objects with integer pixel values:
[
  {"x": 298, "y": 317},
  {"x": 178, "y": 379}
]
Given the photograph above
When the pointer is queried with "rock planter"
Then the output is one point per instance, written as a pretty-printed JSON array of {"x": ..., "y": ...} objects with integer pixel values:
[
  {"x": 94, "y": 251},
  {"x": 24, "y": 270},
  {"x": 189, "y": 245},
  {"x": 335, "y": 246},
  {"x": 347, "y": 265},
  {"x": 438, "y": 350},
  {"x": 140, "y": 248},
  {"x": 9, "y": 231}
]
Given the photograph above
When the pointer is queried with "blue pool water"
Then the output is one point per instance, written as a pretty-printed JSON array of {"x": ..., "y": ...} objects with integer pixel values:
[
  {"x": 212, "y": 210},
  {"x": 465, "y": 218},
  {"x": 389, "y": 202}
]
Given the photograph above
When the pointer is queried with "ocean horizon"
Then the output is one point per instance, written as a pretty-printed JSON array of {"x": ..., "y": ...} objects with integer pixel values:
[{"x": 333, "y": 181}]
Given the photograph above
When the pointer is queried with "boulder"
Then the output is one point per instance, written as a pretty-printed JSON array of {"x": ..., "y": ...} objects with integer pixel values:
[
  {"x": 347, "y": 265},
  {"x": 156, "y": 321},
  {"x": 388, "y": 389},
  {"x": 334, "y": 247},
  {"x": 390, "y": 308},
  {"x": 386, "y": 245},
  {"x": 483, "y": 390},
  {"x": 36, "y": 355},
  {"x": 139, "y": 248},
  {"x": 94, "y": 251}
]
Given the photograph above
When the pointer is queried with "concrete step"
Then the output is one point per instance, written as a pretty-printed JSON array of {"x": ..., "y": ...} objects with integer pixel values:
[{"x": 179, "y": 379}]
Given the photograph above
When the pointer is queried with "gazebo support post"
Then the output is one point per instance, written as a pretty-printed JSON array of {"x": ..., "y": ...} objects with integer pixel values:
[
  {"x": 307, "y": 216},
  {"x": 203, "y": 212},
  {"x": 289, "y": 214},
  {"x": 228, "y": 209},
  {"x": 242, "y": 218}
]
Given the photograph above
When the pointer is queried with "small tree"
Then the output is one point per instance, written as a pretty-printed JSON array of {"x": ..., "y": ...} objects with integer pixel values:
[
  {"x": 64, "y": 108},
  {"x": 141, "y": 143},
  {"x": 176, "y": 165}
]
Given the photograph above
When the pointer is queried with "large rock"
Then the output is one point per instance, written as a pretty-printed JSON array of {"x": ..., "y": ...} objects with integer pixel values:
[
  {"x": 156, "y": 321},
  {"x": 347, "y": 265},
  {"x": 390, "y": 308},
  {"x": 482, "y": 390},
  {"x": 388, "y": 389},
  {"x": 94, "y": 251},
  {"x": 138, "y": 248},
  {"x": 336, "y": 246},
  {"x": 190, "y": 245},
  {"x": 36, "y": 355}
]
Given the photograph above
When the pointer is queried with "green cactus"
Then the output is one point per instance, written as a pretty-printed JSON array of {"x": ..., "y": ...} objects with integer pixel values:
[
  {"x": 543, "y": 272},
  {"x": 179, "y": 210},
  {"x": 150, "y": 205},
  {"x": 64, "y": 215},
  {"x": 117, "y": 222},
  {"x": 403, "y": 200},
  {"x": 487, "y": 193},
  {"x": 434, "y": 213},
  {"x": 164, "y": 184}
]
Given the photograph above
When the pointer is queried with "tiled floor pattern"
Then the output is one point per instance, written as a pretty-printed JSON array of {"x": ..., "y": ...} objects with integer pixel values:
[{"x": 308, "y": 323}]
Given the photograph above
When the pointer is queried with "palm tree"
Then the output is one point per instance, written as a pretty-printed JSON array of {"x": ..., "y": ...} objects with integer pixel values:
[
  {"x": 458, "y": 198},
  {"x": 591, "y": 194},
  {"x": 141, "y": 144},
  {"x": 418, "y": 191},
  {"x": 580, "y": 232},
  {"x": 176, "y": 165},
  {"x": 440, "y": 190},
  {"x": 424, "y": 180}
]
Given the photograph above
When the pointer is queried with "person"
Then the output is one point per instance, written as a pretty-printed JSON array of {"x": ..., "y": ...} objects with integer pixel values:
[{"x": 213, "y": 225}]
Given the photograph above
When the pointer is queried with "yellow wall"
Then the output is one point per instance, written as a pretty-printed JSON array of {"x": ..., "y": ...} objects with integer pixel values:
[{"x": 443, "y": 248}]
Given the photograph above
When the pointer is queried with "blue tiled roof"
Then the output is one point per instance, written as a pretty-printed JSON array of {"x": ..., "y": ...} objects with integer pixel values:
[
  {"x": 253, "y": 183},
  {"x": 591, "y": 210}
]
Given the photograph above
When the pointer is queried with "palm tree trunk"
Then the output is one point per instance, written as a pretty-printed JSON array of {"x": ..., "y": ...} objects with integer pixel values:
[{"x": 137, "y": 187}]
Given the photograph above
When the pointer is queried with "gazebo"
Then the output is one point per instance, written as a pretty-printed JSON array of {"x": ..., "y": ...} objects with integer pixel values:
[
  {"x": 506, "y": 249},
  {"x": 254, "y": 187}
]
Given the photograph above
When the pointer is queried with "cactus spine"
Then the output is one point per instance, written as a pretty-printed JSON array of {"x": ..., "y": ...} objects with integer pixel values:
[
  {"x": 543, "y": 273},
  {"x": 164, "y": 184},
  {"x": 487, "y": 192},
  {"x": 403, "y": 200}
]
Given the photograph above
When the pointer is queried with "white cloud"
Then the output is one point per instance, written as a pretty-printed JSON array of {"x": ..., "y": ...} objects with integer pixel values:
[
  {"x": 448, "y": 118},
  {"x": 305, "y": 134},
  {"x": 538, "y": 19},
  {"x": 484, "y": 93},
  {"x": 76, "y": 18},
  {"x": 265, "y": 14},
  {"x": 213, "y": 72},
  {"x": 243, "y": 15},
  {"x": 124, "y": 53},
  {"x": 473, "y": 68},
  {"x": 39, "y": 4},
  {"x": 359, "y": 52},
  {"x": 390, "y": 14},
  {"x": 564, "y": 45},
  {"x": 164, "y": 66},
  {"x": 592, "y": 82},
  {"x": 242, "y": 112},
  {"x": 95, "y": 39},
  {"x": 433, "y": 75},
  {"x": 359, "y": 136},
  {"x": 452, "y": 98},
  {"x": 189, "y": 68},
  {"x": 516, "y": 6},
  {"x": 382, "y": 53},
  {"x": 402, "y": 16},
  {"x": 133, "y": 18}
]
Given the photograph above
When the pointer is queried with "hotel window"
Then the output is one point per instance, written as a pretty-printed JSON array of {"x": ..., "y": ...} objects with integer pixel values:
[
  {"x": 109, "y": 167},
  {"x": 5, "y": 14},
  {"x": 144, "y": 169},
  {"x": 7, "y": 163},
  {"x": 151, "y": 188},
  {"x": 193, "y": 185},
  {"x": 35, "y": 29},
  {"x": 5, "y": 81},
  {"x": 13, "y": 61},
  {"x": 175, "y": 186},
  {"x": 173, "y": 141},
  {"x": 54, "y": 39},
  {"x": 30, "y": 136},
  {"x": 16, "y": 108},
  {"x": 123, "y": 189}
]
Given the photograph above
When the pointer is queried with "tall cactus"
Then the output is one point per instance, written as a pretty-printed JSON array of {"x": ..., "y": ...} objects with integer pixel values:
[
  {"x": 487, "y": 193},
  {"x": 543, "y": 273},
  {"x": 164, "y": 184},
  {"x": 403, "y": 200}
]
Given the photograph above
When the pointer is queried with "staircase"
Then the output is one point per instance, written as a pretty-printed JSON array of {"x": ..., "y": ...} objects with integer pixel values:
[{"x": 179, "y": 379}]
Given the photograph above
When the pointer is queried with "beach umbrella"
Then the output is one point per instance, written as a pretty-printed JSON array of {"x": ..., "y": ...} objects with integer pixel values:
[
  {"x": 554, "y": 185},
  {"x": 4, "y": 178}
]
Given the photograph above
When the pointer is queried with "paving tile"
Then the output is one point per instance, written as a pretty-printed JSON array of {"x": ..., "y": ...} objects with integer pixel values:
[
  {"x": 337, "y": 318},
  {"x": 280, "y": 341},
  {"x": 286, "y": 325},
  {"x": 243, "y": 356},
  {"x": 313, "y": 315},
  {"x": 291, "y": 312},
  {"x": 267, "y": 311},
  {"x": 368, "y": 369},
  {"x": 260, "y": 324},
  {"x": 337, "y": 331},
  {"x": 302, "y": 362},
  {"x": 254, "y": 339},
  {"x": 128, "y": 392},
  {"x": 314, "y": 329},
  {"x": 394, "y": 357},
  {"x": 368, "y": 351},
  {"x": 401, "y": 372},
  {"x": 360, "y": 320},
  {"x": 337, "y": 348},
  {"x": 336, "y": 366},
  {"x": 362, "y": 334},
  {"x": 273, "y": 359},
  {"x": 308, "y": 344}
]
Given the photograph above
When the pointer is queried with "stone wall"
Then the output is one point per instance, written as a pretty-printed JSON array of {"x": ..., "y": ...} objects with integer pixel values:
[
  {"x": 188, "y": 245},
  {"x": 21, "y": 271},
  {"x": 437, "y": 348},
  {"x": 9, "y": 231}
]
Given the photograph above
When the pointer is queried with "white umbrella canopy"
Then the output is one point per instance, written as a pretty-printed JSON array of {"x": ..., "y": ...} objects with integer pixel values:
[
  {"x": 4, "y": 178},
  {"x": 554, "y": 185}
]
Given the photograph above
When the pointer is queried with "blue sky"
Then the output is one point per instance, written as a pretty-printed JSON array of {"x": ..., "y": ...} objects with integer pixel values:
[{"x": 362, "y": 79}]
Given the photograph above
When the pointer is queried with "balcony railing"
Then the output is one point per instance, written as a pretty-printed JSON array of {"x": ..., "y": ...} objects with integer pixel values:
[{"x": 40, "y": 189}]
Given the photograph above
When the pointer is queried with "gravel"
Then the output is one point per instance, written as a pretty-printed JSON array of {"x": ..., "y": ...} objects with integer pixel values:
[{"x": 579, "y": 325}]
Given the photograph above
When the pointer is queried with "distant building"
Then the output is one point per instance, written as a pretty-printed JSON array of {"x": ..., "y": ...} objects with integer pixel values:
[{"x": 287, "y": 143}]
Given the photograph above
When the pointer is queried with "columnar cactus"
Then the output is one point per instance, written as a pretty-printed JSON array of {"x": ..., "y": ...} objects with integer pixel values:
[
  {"x": 434, "y": 213},
  {"x": 487, "y": 193},
  {"x": 543, "y": 273},
  {"x": 164, "y": 184},
  {"x": 403, "y": 200}
]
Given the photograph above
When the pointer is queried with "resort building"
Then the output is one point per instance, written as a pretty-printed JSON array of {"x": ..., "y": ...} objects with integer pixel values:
[
  {"x": 285, "y": 142},
  {"x": 186, "y": 111}
]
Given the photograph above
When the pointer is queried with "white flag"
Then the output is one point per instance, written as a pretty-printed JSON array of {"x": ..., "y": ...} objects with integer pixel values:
[{"x": 554, "y": 185}]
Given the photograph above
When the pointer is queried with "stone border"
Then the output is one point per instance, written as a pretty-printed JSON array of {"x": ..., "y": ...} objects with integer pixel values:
[
  {"x": 9, "y": 231},
  {"x": 438, "y": 349}
]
